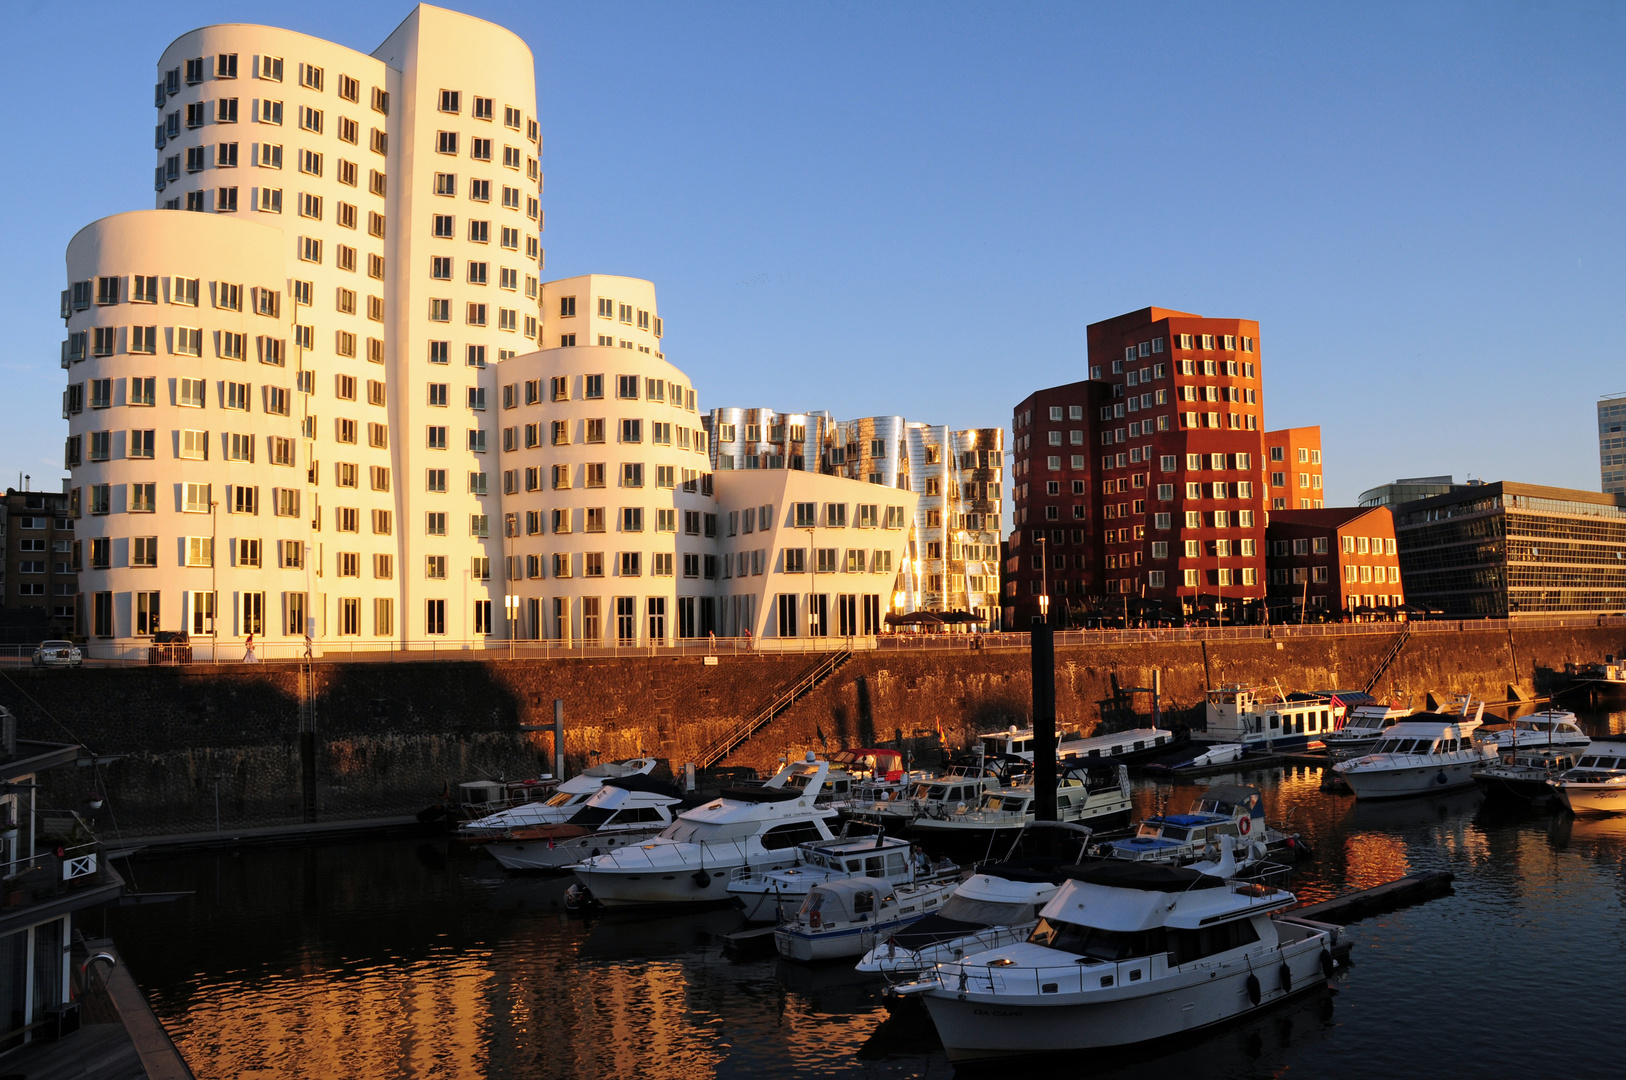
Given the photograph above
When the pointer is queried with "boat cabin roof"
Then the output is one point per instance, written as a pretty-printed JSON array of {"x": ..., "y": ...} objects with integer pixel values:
[
  {"x": 1133, "y": 896},
  {"x": 1223, "y": 798},
  {"x": 1429, "y": 729}
]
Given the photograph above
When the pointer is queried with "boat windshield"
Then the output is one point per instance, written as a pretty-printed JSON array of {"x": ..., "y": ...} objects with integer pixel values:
[
  {"x": 1403, "y": 746},
  {"x": 1176, "y": 832},
  {"x": 1004, "y": 802},
  {"x": 564, "y": 798},
  {"x": 1096, "y": 944},
  {"x": 986, "y": 912},
  {"x": 1149, "y": 828}
]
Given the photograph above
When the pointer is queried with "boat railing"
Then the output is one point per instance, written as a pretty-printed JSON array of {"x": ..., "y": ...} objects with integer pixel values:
[{"x": 1007, "y": 977}]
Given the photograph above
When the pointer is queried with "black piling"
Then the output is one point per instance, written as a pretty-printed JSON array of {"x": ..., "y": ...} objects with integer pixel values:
[{"x": 1044, "y": 722}]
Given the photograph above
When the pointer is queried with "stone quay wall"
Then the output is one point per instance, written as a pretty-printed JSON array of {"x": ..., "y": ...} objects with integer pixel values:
[{"x": 178, "y": 742}]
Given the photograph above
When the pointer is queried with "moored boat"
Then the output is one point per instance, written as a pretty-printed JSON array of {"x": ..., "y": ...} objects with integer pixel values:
[
  {"x": 1126, "y": 954},
  {"x": 1362, "y": 727},
  {"x": 1267, "y": 717},
  {"x": 626, "y": 810},
  {"x": 567, "y": 798},
  {"x": 1597, "y": 784},
  {"x": 843, "y": 918},
  {"x": 1235, "y": 810},
  {"x": 1420, "y": 756},
  {"x": 771, "y": 895},
  {"x": 690, "y": 861},
  {"x": 1093, "y": 797},
  {"x": 1523, "y": 775},
  {"x": 996, "y": 905},
  {"x": 1550, "y": 728}
]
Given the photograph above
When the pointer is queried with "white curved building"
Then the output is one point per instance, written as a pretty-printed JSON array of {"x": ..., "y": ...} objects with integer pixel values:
[
  {"x": 606, "y": 477},
  {"x": 403, "y": 190},
  {"x": 324, "y": 384},
  {"x": 183, "y": 435}
]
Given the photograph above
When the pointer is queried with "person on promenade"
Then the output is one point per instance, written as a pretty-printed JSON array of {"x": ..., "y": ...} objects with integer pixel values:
[{"x": 248, "y": 650}]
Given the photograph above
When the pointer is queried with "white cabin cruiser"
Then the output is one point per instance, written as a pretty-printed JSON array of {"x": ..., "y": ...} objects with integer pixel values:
[
  {"x": 1235, "y": 810},
  {"x": 569, "y": 797},
  {"x": 772, "y": 895},
  {"x": 1420, "y": 756},
  {"x": 1363, "y": 726},
  {"x": 1597, "y": 784},
  {"x": 844, "y": 918},
  {"x": 1549, "y": 729},
  {"x": 1126, "y": 953},
  {"x": 626, "y": 810},
  {"x": 1083, "y": 797},
  {"x": 690, "y": 861},
  {"x": 997, "y": 905},
  {"x": 1524, "y": 775}
]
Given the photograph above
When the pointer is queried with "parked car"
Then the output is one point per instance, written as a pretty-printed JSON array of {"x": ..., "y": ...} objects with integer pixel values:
[
  {"x": 58, "y": 654},
  {"x": 170, "y": 647}
]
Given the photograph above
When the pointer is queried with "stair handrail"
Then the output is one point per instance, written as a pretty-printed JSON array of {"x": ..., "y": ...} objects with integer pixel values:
[{"x": 722, "y": 746}]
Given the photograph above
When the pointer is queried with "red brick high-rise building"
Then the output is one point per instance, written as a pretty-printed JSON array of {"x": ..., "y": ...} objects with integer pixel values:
[{"x": 1143, "y": 480}]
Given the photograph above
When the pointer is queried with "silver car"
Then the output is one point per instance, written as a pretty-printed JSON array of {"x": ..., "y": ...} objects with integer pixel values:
[{"x": 58, "y": 654}]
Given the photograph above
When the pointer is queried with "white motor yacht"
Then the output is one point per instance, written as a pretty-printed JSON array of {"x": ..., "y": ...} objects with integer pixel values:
[
  {"x": 690, "y": 861},
  {"x": 997, "y": 905},
  {"x": 1597, "y": 784},
  {"x": 1555, "y": 729},
  {"x": 1259, "y": 716},
  {"x": 772, "y": 895},
  {"x": 1420, "y": 756},
  {"x": 1362, "y": 727},
  {"x": 1523, "y": 775},
  {"x": 626, "y": 810},
  {"x": 1092, "y": 797},
  {"x": 569, "y": 797},
  {"x": 1124, "y": 954},
  {"x": 844, "y": 918}
]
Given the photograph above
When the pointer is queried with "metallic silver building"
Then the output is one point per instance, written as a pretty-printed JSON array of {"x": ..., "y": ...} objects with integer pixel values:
[{"x": 953, "y": 553}]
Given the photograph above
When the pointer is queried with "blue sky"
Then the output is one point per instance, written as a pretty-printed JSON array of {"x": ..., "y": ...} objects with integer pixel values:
[{"x": 917, "y": 208}]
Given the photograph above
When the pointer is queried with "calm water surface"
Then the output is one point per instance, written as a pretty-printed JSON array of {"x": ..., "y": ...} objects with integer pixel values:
[{"x": 417, "y": 960}]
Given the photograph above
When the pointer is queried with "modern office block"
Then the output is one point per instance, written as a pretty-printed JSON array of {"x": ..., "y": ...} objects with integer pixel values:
[
  {"x": 1504, "y": 550},
  {"x": 1612, "y": 443},
  {"x": 1330, "y": 560}
]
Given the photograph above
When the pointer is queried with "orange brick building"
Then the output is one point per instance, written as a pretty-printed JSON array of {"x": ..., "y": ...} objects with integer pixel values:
[
  {"x": 1144, "y": 479},
  {"x": 1338, "y": 559},
  {"x": 1292, "y": 471}
]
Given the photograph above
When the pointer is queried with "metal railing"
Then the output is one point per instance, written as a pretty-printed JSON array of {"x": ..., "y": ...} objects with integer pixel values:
[
  {"x": 204, "y": 650},
  {"x": 721, "y": 748}
]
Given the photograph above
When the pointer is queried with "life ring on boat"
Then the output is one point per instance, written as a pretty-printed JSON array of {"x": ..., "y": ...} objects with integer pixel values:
[
  {"x": 701, "y": 878},
  {"x": 1287, "y": 978},
  {"x": 1244, "y": 825},
  {"x": 1327, "y": 963},
  {"x": 1253, "y": 988}
]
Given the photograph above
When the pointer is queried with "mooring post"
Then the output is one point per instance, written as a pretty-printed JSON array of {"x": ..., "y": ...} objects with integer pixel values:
[
  {"x": 559, "y": 738},
  {"x": 1044, "y": 722}
]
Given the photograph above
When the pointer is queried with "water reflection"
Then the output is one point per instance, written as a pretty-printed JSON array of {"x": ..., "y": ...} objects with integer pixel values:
[{"x": 412, "y": 959}]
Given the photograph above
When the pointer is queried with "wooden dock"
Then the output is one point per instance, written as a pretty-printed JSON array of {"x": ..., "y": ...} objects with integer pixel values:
[{"x": 1390, "y": 896}]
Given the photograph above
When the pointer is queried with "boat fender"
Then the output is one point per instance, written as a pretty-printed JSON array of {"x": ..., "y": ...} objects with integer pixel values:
[
  {"x": 1439, "y": 778},
  {"x": 1287, "y": 978},
  {"x": 701, "y": 878},
  {"x": 595, "y": 855},
  {"x": 1327, "y": 963},
  {"x": 1303, "y": 848},
  {"x": 1253, "y": 988}
]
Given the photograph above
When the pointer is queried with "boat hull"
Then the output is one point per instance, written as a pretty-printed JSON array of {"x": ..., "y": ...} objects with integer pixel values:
[
  {"x": 766, "y": 906},
  {"x": 1593, "y": 798},
  {"x": 1513, "y": 788},
  {"x": 558, "y": 856},
  {"x": 984, "y": 1027},
  {"x": 666, "y": 885},
  {"x": 1407, "y": 781},
  {"x": 846, "y": 943}
]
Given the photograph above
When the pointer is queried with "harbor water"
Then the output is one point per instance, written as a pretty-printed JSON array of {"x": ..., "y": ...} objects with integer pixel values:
[{"x": 417, "y": 959}]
